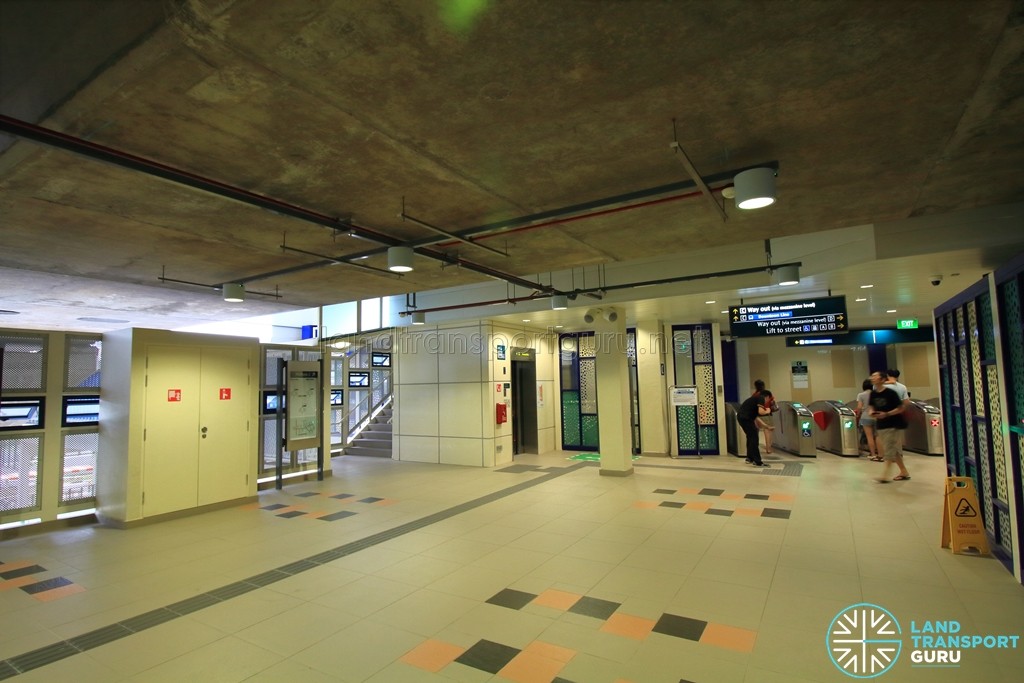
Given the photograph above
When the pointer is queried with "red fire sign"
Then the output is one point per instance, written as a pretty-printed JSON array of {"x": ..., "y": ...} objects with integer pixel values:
[
  {"x": 225, "y": 393},
  {"x": 174, "y": 395}
]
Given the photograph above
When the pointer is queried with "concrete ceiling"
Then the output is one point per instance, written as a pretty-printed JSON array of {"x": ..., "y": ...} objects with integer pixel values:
[{"x": 542, "y": 130}]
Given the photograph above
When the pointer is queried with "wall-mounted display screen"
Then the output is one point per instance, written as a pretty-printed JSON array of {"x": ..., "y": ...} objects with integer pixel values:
[
  {"x": 337, "y": 397},
  {"x": 80, "y": 410},
  {"x": 359, "y": 379},
  {"x": 22, "y": 413},
  {"x": 803, "y": 316},
  {"x": 380, "y": 360},
  {"x": 270, "y": 402}
]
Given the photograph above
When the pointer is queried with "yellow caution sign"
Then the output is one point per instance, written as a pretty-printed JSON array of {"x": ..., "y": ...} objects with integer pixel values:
[{"x": 962, "y": 526}]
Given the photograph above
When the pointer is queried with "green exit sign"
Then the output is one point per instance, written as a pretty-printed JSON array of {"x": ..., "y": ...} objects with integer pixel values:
[{"x": 908, "y": 324}]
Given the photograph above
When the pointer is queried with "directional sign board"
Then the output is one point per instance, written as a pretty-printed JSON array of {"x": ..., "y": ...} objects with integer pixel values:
[{"x": 804, "y": 316}]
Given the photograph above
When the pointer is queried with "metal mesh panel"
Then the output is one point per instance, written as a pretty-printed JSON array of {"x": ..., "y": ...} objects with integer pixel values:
[
  {"x": 270, "y": 358},
  {"x": 270, "y": 442},
  {"x": 307, "y": 355},
  {"x": 19, "y": 465},
  {"x": 24, "y": 362},
  {"x": 631, "y": 348},
  {"x": 305, "y": 456},
  {"x": 1005, "y": 531},
  {"x": 82, "y": 362},
  {"x": 702, "y": 348},
  {"x": 78, "y": 473}
]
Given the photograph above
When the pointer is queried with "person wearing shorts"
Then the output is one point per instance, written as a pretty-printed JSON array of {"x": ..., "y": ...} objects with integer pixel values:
[
  {"x": 887, "y": 408},
  {"x": 866, "y": 422}
]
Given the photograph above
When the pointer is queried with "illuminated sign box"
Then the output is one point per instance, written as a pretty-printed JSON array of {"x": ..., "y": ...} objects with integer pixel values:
[
  {"x": 865, "y": 337},
  {"x": 781, "y": 318},
  {"x": 908, "y": 324}
]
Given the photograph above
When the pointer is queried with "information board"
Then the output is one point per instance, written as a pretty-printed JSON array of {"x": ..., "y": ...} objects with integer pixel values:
[
  {"x": 302, "y": 408},
  {"x": 803, "y": 316}
]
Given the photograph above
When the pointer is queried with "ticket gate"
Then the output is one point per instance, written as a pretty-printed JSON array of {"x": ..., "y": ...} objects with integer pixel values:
[
  {"x": 794, "y": 429},
  {"x": 924, "y": 428},
  {"x": 732, "y": 428},
  {"x": 837, "y": 428}
]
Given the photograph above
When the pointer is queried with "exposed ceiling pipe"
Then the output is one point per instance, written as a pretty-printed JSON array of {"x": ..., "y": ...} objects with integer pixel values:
[{"x": 93, "y": 150}]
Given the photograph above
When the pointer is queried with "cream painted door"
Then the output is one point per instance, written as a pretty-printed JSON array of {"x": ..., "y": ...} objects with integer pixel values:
[
  {"x": 195, "y": 448},
  {"x": 224, "y": 425},
  {"x": 170, "y": 450}
]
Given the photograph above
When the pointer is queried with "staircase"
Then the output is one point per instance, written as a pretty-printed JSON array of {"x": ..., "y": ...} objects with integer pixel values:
[{"x": 375, "y": 439}]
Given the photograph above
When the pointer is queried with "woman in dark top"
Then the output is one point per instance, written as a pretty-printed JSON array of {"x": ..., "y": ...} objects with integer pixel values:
[{"x": 747, "y": 415}]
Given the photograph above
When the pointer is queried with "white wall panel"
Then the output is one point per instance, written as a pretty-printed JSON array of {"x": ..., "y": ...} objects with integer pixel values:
[
  {"x": 419, "y": 408},
  {"x": 455, "y": 451},
  {"x": 459, "y": 407}
]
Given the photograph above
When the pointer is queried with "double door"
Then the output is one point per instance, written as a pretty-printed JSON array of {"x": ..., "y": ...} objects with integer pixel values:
[{"x": 196, "y": 438}]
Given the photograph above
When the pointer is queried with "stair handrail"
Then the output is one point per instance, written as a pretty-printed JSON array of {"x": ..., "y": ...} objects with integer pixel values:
[{"x": 382, "y": 389}]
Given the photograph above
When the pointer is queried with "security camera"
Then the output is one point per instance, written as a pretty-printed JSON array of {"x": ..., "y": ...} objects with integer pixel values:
[{"x": 936, "y": 281}]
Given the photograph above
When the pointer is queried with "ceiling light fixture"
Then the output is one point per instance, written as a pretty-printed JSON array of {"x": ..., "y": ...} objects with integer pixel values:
[
  {"x": 860, "y": 299},
  {"x": 591, "y": 315},
  {"x": 755, "y": 188},
  {"x": 400, "y": 259},
  {"x": 786, "y": 276},
  {"x": 559, "y": 302},
  {"x": 866, "y": 286},
  {"x": 234, "y": 292},
  {"x": 419, "y": 318}
]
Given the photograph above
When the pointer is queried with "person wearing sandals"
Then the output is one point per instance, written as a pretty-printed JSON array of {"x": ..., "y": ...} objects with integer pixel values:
[
  {"x": 866, "y": 422},
  {"x": 887, "y": 408}
]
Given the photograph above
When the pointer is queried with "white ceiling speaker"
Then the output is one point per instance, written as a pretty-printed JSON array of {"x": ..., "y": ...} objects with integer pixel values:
[
  {"x": 400, "y": 259},
  {"x": 559, "y": 302},
  {"x": 786, "y": 276},
  {"x": 755, "y": 188},
  {"x": 610, "y": 315},
  {"x": 419, "y": 318},
  {"x": 234, "y": 292}
]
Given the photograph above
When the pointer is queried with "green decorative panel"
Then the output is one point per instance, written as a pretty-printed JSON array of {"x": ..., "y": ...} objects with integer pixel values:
[
  {"x": 985, "y": 470},
  {"x": 588, "y": 386},
  {"x": 965, "y": 381},
  {"x": 940, "y": 334},
  {"x": 958, "y": 416},
  {"x": 985, "y": 325},
  {"x": 570, "y": 418},
  {"x": 686, "y": 423},
  {"x": 590, "y": 431},
  {"x": 1005, "y": 532},
  {"x": 1015, "y": 347},
  {"x": 705, "y": 376},
  {"x": 708, "y": 436},
  {"x": 975, "y": 351},
  {"x": 996, "y": 423}
]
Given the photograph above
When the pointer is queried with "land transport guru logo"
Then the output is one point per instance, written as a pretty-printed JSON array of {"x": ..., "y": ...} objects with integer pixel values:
[{"x": 865, "y": 641}]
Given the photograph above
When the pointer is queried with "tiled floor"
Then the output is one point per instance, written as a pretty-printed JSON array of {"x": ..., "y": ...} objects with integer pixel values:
[{"x": 689, "y": 570}]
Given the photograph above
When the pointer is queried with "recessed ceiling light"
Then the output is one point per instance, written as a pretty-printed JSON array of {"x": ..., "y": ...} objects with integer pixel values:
[
  {"x": 725, "y": 311},
  {"x": 891, "y": 310},
  {"x": 866, "y": 286},
  {"x": 860, "y": 299},
  {"x": 709, "y": 302},
  {"x": 526, "y": 320},
  {"x": 558, "y": 327}
]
